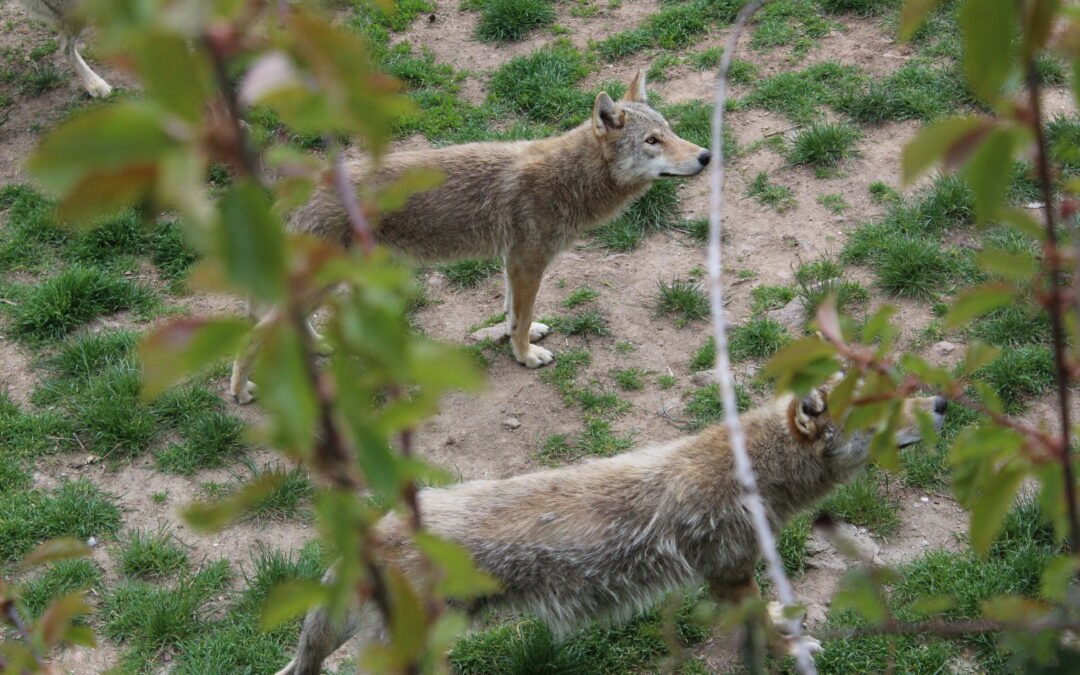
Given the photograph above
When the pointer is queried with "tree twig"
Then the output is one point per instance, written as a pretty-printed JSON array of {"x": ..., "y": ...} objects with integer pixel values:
[
  {"x": 743, "y": 470},
  {"x": 1057, "y": 307}
]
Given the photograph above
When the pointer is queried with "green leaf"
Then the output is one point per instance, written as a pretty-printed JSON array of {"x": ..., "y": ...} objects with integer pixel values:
[
  {"x": 932, "y": 375},
  {"x": 184, "y": 347},
  {"x": 106, "y": 192},
  {"x": 974, "y": 302},
  {"x": 286, "y": 389},
  {"x": 989, "y": 183},
  {"x": 289, "y": 600},
  {"x": 251, "y": 241},
  {"x": 913, "y": 15},
  {"x": 877, "y": 325},
  {"x": 1019, "y": 266},
  {"x": 993, "y": 504},
  {"x": 803, "y": 365},
  {"x": 460, "y": 578},
  {"x": 1039, "y": 16},
  {"x": 978, "y": 355},
  {"x": 106, "y": 139},
  {"x": 1058, "y": 576},
  {"x": 171, "y": 72},
  {"x": 61, "y": 548},
  {"x": 950, "y": 137},
  {"x": 215, "y": 516},
  {"x": 860, "y": 593},
  {"x": 988, "y": 28},
  {"x": 55, "y": 621},
  {"x": 393, "y": 196}
]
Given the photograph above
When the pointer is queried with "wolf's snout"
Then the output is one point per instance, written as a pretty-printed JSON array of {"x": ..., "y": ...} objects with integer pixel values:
[
  {"x": 940, "y": 404},
  {"x": 704, "y": 157}
]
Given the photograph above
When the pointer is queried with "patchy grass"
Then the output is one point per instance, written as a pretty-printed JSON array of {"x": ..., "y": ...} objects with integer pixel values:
[
  {"x": 470, "y": 273},
  {"x": 656, "y": 210},
  {"x": 512, "y": 20},
  {"x": 596, "y": 440},
  {"x": 801, "y": 95},
  {"x": 798, "y": 23},
  {"x": 586, "y": 322},
  {"x": 780, "y": 198},
  {"x": 921, "y": 89},
  {"x": 824, "y": 144},
  {"x": 705, "y": 408},
  {"x": 674, "y": 27},
  {"x": 683, "y": 300},
  {"x": 580, "y": 296},
  {"x": 528, "y": 647},
  {"x": 151, "y": 555},
  {"x": 833, "y": 201},
  {"x": 541, "y": 85},
  {"x": 765, "y": 298},
  {"x": 211, "y": 440},
  {"x": 1019, "y": 373},
  {"x": 757, "y": 338},
  {"x": 29, "y": 516},
  {"x": 50, "y": 309},
  {"x": 1013, "y": 567},
  {"x": 59, "y": 579},
  {"x": 864, "y": 501},
  {"x": 824, "y": 278},
  {"x": 630, "y": 379}
]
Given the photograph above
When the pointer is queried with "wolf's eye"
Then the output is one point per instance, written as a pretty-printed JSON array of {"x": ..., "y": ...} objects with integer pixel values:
[{"x": 652, "y": 140}]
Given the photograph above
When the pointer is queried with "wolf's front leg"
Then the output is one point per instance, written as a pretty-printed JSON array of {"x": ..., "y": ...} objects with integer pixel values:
[
  {"x": 524, "y": 274},
  {"x": 724, "y": 590},
  {"x": 537, "y": 330}
]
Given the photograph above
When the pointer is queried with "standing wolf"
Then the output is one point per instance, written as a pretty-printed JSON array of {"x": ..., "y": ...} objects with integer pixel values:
[
  {"x": 525, "y": 201},
  {"x": 58, "y": 13},
  {"x": 606, "y": 538}
]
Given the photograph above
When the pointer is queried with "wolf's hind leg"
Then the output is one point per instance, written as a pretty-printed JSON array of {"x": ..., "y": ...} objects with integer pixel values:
[
  {"x": 320, "y": 638},
  {"x": 241, "y": 387},
  {"x": 94, "y": 84}
]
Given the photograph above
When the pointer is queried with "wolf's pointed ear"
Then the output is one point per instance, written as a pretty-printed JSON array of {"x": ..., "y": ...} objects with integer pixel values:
[
  {"x": 636, "y": 90},
  {"x": 606, "y": 115}
]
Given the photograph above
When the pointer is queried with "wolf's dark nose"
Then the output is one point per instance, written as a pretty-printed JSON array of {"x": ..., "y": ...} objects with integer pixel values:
[
  {"x": 940, "y": 404},
  {"x": 704, "y": 157}
]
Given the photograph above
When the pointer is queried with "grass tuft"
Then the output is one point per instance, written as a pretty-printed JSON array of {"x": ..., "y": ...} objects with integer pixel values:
[
  {"x": 824, "y": 144},
  {"x": 75, "y": 295},
  {"x": 469, "y": 273},
  {"x": 541, "y": 85},
  {"x": 757, "y": 338},
  {"x": 778, "y": 197},
  {"x": 152, "y": 555},
  {"x": 512, "y": 20},
  {"x": 684, "y": 300}
]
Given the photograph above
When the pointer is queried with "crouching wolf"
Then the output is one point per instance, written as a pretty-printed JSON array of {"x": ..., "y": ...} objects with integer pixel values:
[
  {"x": 525, "y": 201},
  {"x": 70, "y": 29},
  {"x": 606, "y": 538}
]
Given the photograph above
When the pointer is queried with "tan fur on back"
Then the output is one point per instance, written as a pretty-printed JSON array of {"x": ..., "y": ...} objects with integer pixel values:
[{"x": 534, "y": 196}]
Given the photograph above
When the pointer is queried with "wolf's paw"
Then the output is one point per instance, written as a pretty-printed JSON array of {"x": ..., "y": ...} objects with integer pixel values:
[
  {"x": 535, "y": 357},
  {"x": 97, "y": 87},
  {"x": 244, "y": 393},
  {"x": 791, "y": 645},
  {"x": 538, "y": 330}
]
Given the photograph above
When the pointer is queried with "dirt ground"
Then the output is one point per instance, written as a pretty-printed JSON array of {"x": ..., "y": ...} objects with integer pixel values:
[{"x": 468, "y": 437}]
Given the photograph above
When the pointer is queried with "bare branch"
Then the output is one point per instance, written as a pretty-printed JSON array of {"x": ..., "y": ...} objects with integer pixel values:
[{"x": 743, "y": 470}]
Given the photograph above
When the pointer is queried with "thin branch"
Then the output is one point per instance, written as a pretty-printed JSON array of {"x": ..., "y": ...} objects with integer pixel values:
[
  {"x": 11, "y": 613},
  {"x": 1057, "y": 308},
  {"x": 744, "y": 472},
  {"x": 346, "y": 192}
]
